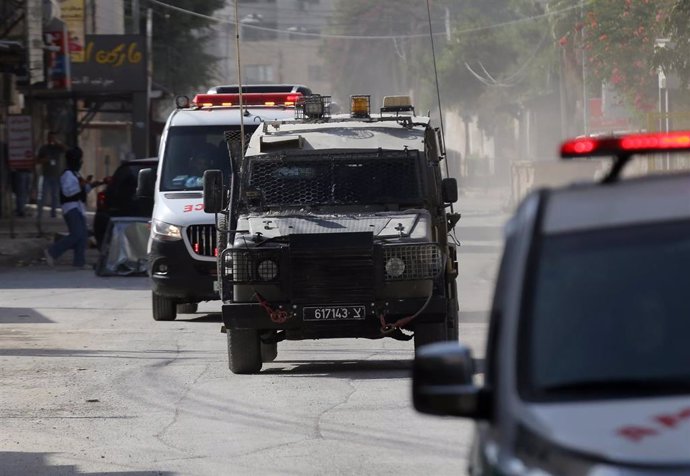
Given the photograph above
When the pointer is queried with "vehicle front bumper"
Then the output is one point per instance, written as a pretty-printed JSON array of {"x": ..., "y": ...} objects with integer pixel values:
[
  {"x": 186, "y": 279},
  {"x": 256, "y": 316}
]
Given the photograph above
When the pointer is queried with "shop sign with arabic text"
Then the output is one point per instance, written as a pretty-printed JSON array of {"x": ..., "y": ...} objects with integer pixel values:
[{"x": 112, "y": 63}]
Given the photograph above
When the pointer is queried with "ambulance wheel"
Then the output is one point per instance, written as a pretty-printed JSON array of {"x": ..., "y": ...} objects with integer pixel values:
[{"x": 164, "y": 309}]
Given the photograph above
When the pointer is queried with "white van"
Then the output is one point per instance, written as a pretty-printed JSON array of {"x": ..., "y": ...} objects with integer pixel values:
[{"x": 182, "y": 246}]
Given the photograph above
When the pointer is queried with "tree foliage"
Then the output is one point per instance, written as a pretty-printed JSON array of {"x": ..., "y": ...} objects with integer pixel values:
[
  {"x": 381, "y": 66},
  {"x": 618, "y": 41},
  {"x": 180, "y": 63},
  {"x": 508, "y": 60},
  {"x": 495, "y": 58},
  {"x": 674, "y": 57}
]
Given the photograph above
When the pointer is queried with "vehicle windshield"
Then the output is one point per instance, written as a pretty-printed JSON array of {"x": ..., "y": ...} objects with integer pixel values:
[
  {"x": 192, "y": 150},
  {"x": 609, "y": 314},
  {"x": 334, "y": 179}
]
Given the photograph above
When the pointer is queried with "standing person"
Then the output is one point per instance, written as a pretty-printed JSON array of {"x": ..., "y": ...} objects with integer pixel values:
[
  {"x": 73, "y": 191},
  {"x": 50, "y": 159},
  {"x": 21, "y": 185}
]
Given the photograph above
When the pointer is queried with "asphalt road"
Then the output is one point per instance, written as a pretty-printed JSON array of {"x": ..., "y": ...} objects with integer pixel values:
[{"x": 92, "y": 385}]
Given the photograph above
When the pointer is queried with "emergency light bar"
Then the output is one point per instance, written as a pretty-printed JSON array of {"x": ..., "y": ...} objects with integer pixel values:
[
  {"x": 248, "y": 99},
  {"x": 622, "y": 148},
  {"x": 677, "y": 141}
]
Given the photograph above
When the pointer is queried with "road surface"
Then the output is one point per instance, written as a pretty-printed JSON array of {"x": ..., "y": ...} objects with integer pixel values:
[{"x": 92, "y": 385}]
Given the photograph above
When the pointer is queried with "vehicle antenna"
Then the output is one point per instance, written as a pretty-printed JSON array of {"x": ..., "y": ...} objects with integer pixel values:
[
  {"x": 438, "y": 89},
  {"x": 239, "y": 78}
]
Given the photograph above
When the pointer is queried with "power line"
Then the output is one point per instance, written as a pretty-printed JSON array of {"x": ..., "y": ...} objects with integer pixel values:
[{"x": 368, "y": 37}]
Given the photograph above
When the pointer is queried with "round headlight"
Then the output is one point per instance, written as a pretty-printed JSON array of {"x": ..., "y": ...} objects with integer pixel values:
[
  {"x": 267, "y": 270},
  {"x": 395, "y": 267}
]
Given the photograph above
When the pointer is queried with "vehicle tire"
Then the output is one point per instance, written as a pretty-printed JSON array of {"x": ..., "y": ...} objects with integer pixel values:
[
  {"x": 244, "y": 351},
  {"x": 221, "y": 244},
  {"x": 453, "y": 321},
  {"x": 429, "y": 333},
  {"x": 269, "y": 351},
  {"x": 221, "y": 232},
  {"x": 164, "y": 309},
  {"x": 187, "y": 308}
]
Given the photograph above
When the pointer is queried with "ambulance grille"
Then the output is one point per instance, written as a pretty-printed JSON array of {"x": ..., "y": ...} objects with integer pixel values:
[{"x": 202, "y": 239}]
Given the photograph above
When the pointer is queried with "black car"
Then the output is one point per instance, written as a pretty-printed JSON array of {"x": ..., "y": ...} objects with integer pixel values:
[{"x": 119, "y": 197}]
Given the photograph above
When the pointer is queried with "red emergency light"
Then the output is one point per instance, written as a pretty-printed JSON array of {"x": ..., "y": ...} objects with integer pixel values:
[
  {"x": 248, "y": 99},
  {"x": 677, "y": 141}
]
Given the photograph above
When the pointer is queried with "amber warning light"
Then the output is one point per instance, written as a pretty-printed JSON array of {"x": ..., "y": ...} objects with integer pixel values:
[
  {"x": 626, "y": 145},
  {"x": 248, "y": 99}
]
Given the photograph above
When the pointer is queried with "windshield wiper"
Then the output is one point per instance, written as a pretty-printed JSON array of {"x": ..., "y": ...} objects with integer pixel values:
[{"x": 621, "y": 386}]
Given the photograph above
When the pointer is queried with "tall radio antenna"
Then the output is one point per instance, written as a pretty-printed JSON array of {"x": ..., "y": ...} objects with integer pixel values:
[
  {"x": 438, "y": 89},
  {"x": 239, "y": 77}
]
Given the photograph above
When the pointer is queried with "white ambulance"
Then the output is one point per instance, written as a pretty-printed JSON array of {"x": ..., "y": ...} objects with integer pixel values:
[{"x": 182, "y": 246}]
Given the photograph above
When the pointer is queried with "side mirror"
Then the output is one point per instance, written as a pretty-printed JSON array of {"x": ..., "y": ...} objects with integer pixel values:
[
  {"x": 213, "y": 191},
  {"x": 146, "y": 183},
  {"x": 442, "y": 382},
  {"x": 449, "y": 190}
]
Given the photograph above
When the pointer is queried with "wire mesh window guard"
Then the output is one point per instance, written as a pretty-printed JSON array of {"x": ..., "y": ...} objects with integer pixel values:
[{"x": 370, "y": 178}]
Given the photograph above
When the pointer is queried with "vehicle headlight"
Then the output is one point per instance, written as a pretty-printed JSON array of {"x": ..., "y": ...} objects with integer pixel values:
[
  {"x": 242, "y": 265},
  {"x": 412, "y": 262},
  {"x": 227, "y": 268},
  {"x": 267, "y": 269},
  {"x": 165, "y": 231},
  {"x": 395, "y": 267}
]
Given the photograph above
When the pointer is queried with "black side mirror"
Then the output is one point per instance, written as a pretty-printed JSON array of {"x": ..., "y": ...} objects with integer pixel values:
[
  {"x": 449, "y": 190},
  {"x": 146, "y": 183},
  {"x": 442, "y": 382},
  {"x": 213, "y": 191}
]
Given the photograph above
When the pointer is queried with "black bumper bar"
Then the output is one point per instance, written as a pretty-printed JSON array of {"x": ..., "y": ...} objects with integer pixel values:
[{"x": 256, "y": 316}]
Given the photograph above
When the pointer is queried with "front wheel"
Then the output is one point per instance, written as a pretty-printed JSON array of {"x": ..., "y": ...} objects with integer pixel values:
[
  {"x": 244, "y": 351},
  {"x": 164, "y": 309}
]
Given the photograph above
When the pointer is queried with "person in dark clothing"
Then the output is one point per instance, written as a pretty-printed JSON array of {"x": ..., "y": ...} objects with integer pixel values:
[
  {"x": 73, "y": 191},
  {"x": 21, "y": 186},
  {"x": 50, "y": 159}
]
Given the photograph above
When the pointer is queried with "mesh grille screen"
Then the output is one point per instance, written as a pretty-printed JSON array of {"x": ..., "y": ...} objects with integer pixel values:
[
  {"x": 405, "y": 262},
  {"x": 254, "y": 265},
  {"x": 337, "y": 179},
  {"x": 233, "y": 138}
]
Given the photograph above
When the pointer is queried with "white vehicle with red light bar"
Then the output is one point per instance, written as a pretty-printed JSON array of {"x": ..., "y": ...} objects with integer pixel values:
[
  {"x": 586, "y": 369},
  {"x": 338, "y": 227},
  {"x": 182, "y": 245}
]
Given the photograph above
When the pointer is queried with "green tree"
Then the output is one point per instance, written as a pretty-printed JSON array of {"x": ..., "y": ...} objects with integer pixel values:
[
  {"x": 180, "y": 64},
  {"x": 380, "y": 66},
  {"x": 618, "y": 38},
  {"x": 480, "y": 69},
  {"x": 675, "y": 58},
  {"x": 491, "y": 51}
]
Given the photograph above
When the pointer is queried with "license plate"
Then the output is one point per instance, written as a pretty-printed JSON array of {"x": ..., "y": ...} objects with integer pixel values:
[{"x": 334, "y": 313}]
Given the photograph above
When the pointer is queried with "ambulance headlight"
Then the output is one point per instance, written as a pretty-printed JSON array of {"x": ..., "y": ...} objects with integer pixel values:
[{"x": 165, "y": 231}]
